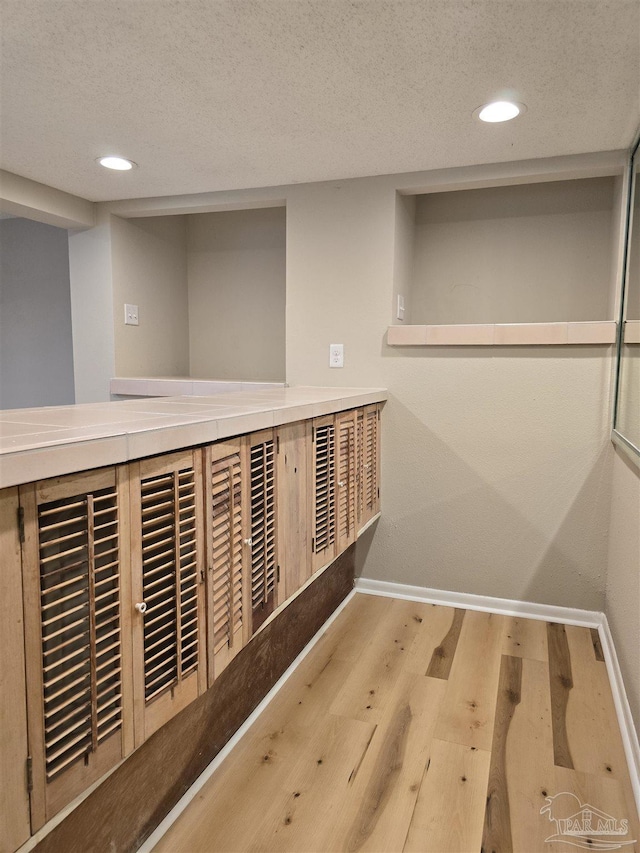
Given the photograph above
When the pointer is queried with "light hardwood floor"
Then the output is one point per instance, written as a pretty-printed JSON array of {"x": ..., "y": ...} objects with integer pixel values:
[{"x": 415, "y": 727}]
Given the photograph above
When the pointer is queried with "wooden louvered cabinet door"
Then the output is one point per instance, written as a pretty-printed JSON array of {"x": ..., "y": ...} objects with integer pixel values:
[
  {"x": 294, "y": 482},
  {"x": 347, "y": 476},
  {"x": 77, "y": 632},
  {"x": 263, "y": 526},
  {"x": 14, "y": 798},
  {"x": 226, "y": 523},
  {"x": 323, "y": 493},
  {"x": 369, "y": 456},
  {"x": 167, "y": 564}
]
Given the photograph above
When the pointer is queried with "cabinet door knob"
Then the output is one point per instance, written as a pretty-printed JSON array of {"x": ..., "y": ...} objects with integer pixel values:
[
  {"x": 248, "y": 542},
  {"x": 342, "y": 484},
  {"x": 141, "y": 606}
]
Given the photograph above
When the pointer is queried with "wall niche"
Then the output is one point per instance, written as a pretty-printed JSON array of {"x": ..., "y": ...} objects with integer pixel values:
[
  {"x": 528, "y": 263},
  {"x": 210, "y": 288}
]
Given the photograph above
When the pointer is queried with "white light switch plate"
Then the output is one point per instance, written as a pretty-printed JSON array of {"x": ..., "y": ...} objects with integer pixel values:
[
  {"x": 400, "y": 308},
  {"x": 336, "y": 355},
  {"x": 131, "y": 315}
]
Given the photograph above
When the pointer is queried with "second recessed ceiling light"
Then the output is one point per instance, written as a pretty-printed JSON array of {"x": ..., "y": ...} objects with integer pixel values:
[{"x": 498, "y": 111}]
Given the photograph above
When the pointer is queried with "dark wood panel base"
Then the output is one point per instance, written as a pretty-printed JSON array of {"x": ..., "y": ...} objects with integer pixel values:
[{"x": 127, "y": 807}]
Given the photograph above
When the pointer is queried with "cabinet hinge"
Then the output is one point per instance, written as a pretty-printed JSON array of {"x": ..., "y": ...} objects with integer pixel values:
[
  {"x": 29, "y": 774},
  {"x": 278, "y": 575},
  {"x": 21, "y": 523},
  {"x": 313, "y": 434},
  {"x": 313, "y": 545},
  {"x": 277, "y": 444}
]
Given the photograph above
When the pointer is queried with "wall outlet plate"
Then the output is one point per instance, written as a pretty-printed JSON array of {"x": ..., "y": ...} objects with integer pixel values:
[{"x": 336, "y": 355}]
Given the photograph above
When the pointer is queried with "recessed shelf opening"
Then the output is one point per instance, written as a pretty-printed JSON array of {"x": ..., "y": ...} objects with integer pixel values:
[{"x": 531, "y": 253}]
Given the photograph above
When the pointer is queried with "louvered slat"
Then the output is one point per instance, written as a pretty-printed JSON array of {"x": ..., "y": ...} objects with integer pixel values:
[
  {"x": 325, "y": 495},
  {"x": 78, "y": 541},
  {"x": 371, "y": 485},
  {"x": 226, "y": 544},
  {"x": 346, "y": 425},
  {"x": 263, "y": 530},
  {"x": 169, "y": 579}
]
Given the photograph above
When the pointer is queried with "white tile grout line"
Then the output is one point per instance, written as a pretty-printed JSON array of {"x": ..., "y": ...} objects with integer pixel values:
[
  {"x": 206, "y": 774},
  {"x": 547, "y": 613}
]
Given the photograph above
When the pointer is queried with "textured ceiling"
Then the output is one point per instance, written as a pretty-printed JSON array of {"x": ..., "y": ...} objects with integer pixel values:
[{"x": 218, "y": 94}]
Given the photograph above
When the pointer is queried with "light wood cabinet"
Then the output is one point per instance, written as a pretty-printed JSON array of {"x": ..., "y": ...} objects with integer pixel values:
[
  {"x": 323, "y": 543},
  {"x": 77, "y": 632},
  {"x": 263, "y": 539},
  {"x": 347, "y": 470},
  {"x": 140, "y": 583},
  {"x": 169, "y": 645},
  {"x": 368, "y": 464},
  {"x": 14, "y": 797},
  {"x": 294, "y": 507},
  {"x": 227, "y": 554}
]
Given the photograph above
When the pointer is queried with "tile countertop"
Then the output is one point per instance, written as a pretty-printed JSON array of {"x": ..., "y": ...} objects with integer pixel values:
[{"x": 56, "y": 440}]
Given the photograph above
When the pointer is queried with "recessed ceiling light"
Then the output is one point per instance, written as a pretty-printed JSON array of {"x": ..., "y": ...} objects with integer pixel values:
[
  {"x": 117, "y": 163},
  {"x": 499, "y": 111}
]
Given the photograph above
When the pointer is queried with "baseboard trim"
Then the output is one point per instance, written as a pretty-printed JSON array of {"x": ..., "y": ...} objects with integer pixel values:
[
  {"x": 468, "y": 601},
  {"x": 546, "y": 613},
  {"x": 204, "y": 777},
  {"x": 623, "y": 708}
]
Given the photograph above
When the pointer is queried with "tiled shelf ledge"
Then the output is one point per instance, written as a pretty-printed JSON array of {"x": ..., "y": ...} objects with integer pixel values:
[
  {"x": 52, "y": 441},
  {"x": 503, "y": 334},
  {"x": 632, "y": 332},
  {"x": 172, "y": 386}
]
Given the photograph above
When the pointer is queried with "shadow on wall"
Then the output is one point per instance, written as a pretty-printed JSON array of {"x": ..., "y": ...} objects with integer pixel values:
[{"x": 521, "y": 516}]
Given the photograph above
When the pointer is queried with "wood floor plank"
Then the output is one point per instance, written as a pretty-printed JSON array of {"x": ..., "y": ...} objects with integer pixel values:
[
  {"x": 380, "y": 800},
  {"x": 592, "y": 725},
  {"x": 371, "y": 684},
  {"x": 443, "y": 654},
  {"x": 260, "y": 762},
  {"x": 497, "y": 835},
  {"x": 302, "y": 811},
  {"x": 597, "y": 645},
  {"x": 351, "y": 632},
  {"x": 436, "y": 623},
  {"x": 529, "y": 763},
  {"x": 463, "y": 764},
  {"x": 468, "y": 709},
  {"x": 573, "y": 789},
  {"x": 525, "y": 638},
  {"x": 449, "y": 812},
  {"x": 561, "y": 685}
]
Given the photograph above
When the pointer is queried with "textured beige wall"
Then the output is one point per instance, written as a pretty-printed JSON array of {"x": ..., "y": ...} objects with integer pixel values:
[
  {"x": 628, "y": 418},
  {"x": 149, "y": 259},
  {"x": 496, "y": 463},
  {"x": 404, "y": 239},
  {"x": 536, "y": 253},
  {"x": 237, "y": 294},
  {"x": 623, "y": 580},
  {"x": 91, "y": 286}
]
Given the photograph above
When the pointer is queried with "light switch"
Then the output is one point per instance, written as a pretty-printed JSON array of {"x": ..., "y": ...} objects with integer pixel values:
[
  {"x": 400, "y": 308},
  {"x": 131, "y": 315}
]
